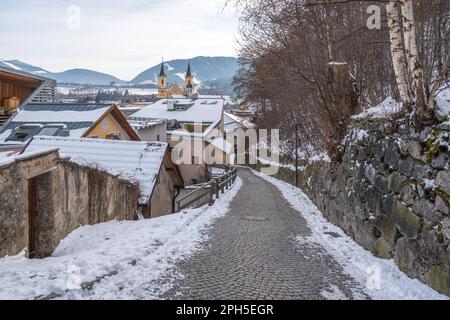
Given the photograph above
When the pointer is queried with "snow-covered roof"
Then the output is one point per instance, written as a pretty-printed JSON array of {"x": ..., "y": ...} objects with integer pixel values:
[
  {"x": 60, "y": 113},
  {"x": 197, "y": 110},
  {"x": 130, "y": 160},
  {"x": 140, "y": 125},
  {"x": 76, "y": 119},
  {"x": 10, "y": 157},
  {"x": 233, "y": 121}
]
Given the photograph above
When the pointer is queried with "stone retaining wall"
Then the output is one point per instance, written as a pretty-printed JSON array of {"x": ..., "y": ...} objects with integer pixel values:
[{"x": 391, "y": 193}]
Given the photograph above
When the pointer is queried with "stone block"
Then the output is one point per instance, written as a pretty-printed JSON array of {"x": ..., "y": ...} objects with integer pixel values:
[
  {"x": 408, "y": 258},
  {"x": 364, "y": 235},
  {"x": 387, "y": 228},
  {"x": 443, "y": 181},
  {"x": 392, "y": 156},
  {"x": 421, "y": 172},
  {"x": 374, "y": 201},
  {"x": 388, "y": 204},
  {"x": 403, "y": 147},
  {"x": 441, "y": 205},
  {"x": 408, "y": 194},
  {"x": 415, "y": 149},
  {"x": 383, "y": 249},
  {"x": 363, "y": 153},
  {"x": 407, "y": 222},
  {"x": 381, "y": 184},
  {"x": 439, "y": 279},
  {"x": 439, "y": 161},
  {"x": 395, "y": 182},
  {"x": 370, "y": 174},
  {"x": 406, "y": 166},
  {"x": 446, "y": 228},
  {"x": 427, "y": 210}
]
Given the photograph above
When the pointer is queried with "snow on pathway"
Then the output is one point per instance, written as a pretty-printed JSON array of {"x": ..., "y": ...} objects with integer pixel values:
[
  {"x": 113, "y": 260},
  {"x": 382, "y": 279}
]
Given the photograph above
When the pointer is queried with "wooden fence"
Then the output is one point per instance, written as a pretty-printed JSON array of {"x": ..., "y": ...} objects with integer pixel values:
[{"x": 208, "y": 192}]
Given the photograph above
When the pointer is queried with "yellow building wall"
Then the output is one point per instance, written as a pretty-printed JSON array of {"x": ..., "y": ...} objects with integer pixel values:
[
  {"x": 176, "y": 90},
  {"x": 108, "y": 126}
]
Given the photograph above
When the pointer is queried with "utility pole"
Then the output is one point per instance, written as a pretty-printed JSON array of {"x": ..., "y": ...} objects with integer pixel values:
[{"x": 297, "y": 125}]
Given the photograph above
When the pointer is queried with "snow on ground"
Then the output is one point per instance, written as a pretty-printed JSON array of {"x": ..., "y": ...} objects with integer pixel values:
[
  {"x": 381, "y": 279},
  {"x": 314, "y": 158},
  {"x": 443, "y": 101},
  {"x": 114, "y": 260},
  {"x": 268, "y": 162},
  {"x": 383, "y": 110}
]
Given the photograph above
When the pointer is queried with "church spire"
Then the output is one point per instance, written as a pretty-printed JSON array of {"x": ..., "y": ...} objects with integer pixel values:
[
  {"x": 189, "y": 73},
  {"x": 162, "y": 73}
]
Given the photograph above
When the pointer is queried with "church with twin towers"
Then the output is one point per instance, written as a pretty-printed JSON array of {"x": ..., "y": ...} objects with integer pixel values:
[{"x": 166, "y": 90}]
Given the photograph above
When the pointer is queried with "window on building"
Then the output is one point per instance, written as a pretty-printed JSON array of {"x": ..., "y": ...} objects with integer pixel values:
[
  {"x": 158, "y": 138},
  {"x": 113, "y": 136},
  {"x": 23, "y": 133},
  {"x": 195, "y": 160},
  {"x": 49, "y": 131}
]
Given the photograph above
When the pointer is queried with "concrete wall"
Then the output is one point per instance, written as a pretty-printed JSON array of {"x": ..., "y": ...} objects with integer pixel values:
[
  {"x": 67, "y": 198},
  {"x": 73, "y": 196},
  {"x": 391, "y": 193},
  {"x": 13, "y": 212},
  {"x": 152, "y": 133},
  {"x": 161, "y": 201}
]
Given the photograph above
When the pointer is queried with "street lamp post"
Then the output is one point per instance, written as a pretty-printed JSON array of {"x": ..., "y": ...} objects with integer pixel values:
[{"x": 297, "y": 125}]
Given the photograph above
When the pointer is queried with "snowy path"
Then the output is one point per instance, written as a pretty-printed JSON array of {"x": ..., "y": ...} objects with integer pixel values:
[
  {"x": 275, "y": 244},
  {"x": 263, "y": 240}
]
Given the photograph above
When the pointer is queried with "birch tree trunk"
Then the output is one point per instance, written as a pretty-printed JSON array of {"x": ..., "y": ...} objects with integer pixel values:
[
  {"x": 397, "y": 50},
  {"x": 424, "y": 113}
]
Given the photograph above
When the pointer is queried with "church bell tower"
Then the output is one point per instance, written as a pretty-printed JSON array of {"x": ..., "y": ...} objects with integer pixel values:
[
  {"x": 189, "y": 82},
  {"x": 163, "y": 88}
]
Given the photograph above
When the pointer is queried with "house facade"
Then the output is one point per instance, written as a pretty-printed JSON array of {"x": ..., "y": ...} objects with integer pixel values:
[
  {"x": 192, "y": 125},
  {"x": 149, "y": 130}
]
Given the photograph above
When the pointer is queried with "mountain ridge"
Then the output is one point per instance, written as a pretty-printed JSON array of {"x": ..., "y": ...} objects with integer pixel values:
[{"x": 207, "y": 70}]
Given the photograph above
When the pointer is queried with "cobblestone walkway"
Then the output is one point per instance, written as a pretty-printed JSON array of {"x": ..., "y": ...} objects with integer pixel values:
[{"x": 251, "y": 254}]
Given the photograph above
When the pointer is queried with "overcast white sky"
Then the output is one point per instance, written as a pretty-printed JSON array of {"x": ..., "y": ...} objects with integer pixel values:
[{"x": 120, "y": 37}]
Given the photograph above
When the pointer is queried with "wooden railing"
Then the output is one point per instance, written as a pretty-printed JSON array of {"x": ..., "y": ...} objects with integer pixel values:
[{"x": 208, "y": 192}]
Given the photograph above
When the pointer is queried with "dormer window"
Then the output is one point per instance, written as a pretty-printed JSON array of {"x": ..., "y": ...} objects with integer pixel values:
[
  {"x": 23, "y": 133},
  {"x": 49, "y": 131}
]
